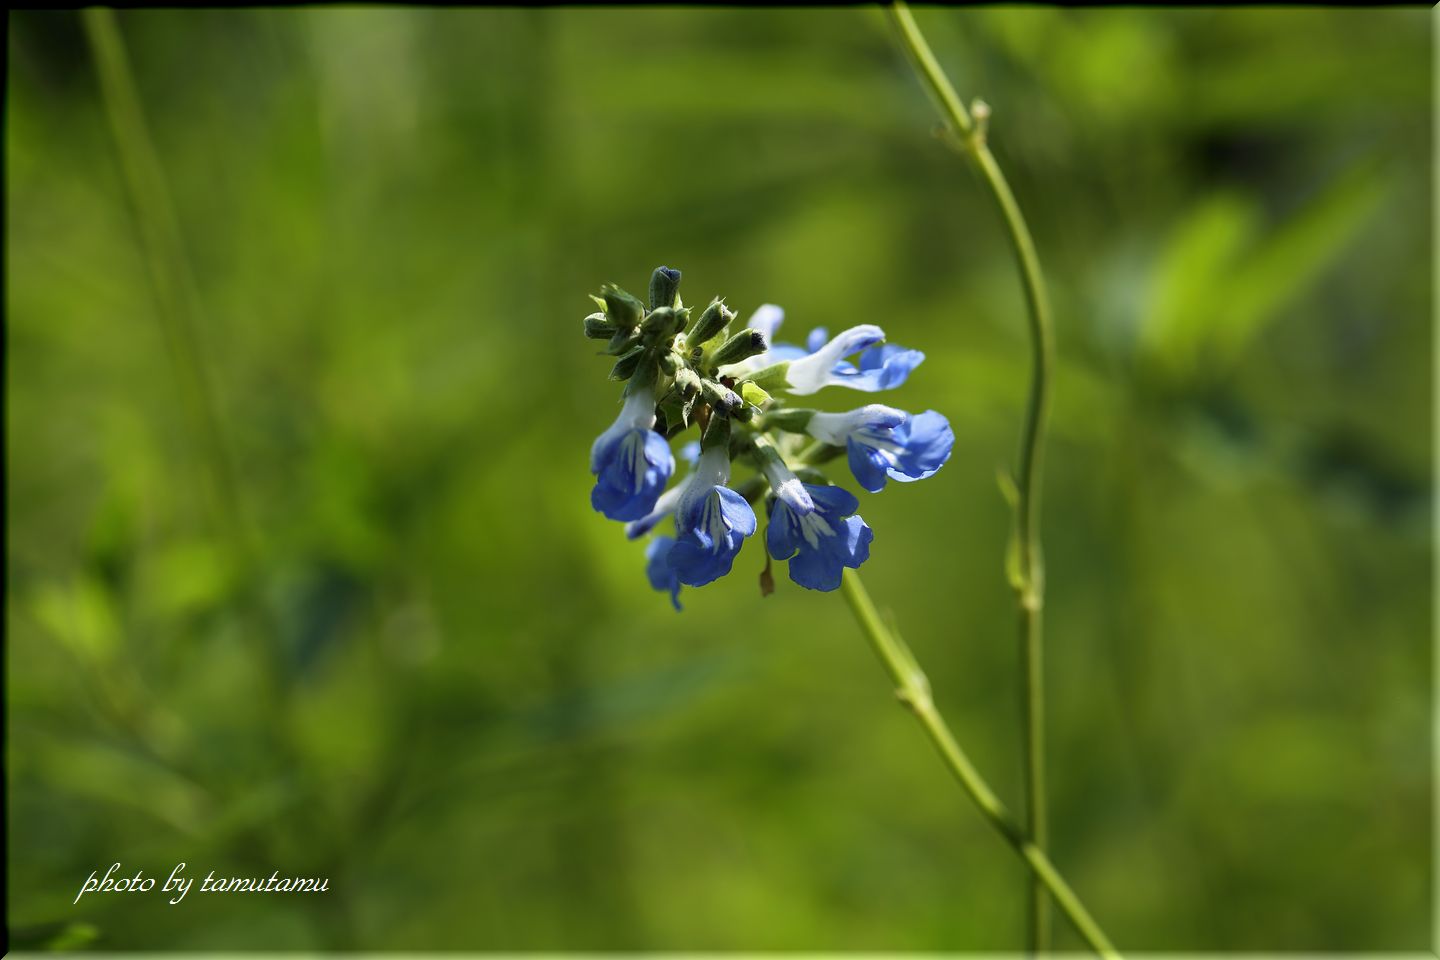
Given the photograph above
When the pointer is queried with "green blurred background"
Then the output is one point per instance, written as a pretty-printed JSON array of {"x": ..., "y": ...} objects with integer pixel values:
[{"x": 403, "y": 652}]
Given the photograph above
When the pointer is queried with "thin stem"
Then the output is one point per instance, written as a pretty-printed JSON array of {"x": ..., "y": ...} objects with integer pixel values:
[
  {"x": 913, "y": 689},
  {"x": 969, "y": 131}
]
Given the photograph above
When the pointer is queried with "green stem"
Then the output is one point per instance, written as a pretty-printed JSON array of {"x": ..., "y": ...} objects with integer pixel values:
[
  {"x": 913, "y": 689},
  {"x": 969, "y": 132}
]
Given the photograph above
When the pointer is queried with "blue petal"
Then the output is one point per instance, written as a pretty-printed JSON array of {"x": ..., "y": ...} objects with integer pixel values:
[
  {"x": 690, "y": 453},
  {"x": 833, "y": 502},
  {"x": 782, "y": 533},
  {"x": 868, "y": 465},
  {"x": 820, "y": 569},
  {"x": 927, "y": 440},
  {"x": 881, "y": 368},
  {"x": 817, "y": 339},
  {"x": 658, "y": 569},
  {"x": 697, "y": 565},
  {"x": 736, "y": 511}
]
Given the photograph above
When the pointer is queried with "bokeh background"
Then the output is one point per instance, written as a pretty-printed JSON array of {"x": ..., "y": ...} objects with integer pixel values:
[{"x": 302, "y": 573}]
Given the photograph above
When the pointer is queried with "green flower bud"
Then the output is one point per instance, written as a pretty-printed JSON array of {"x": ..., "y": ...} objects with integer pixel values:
[
  {"x": 657, "y": 321},
  {"x": 743, "y": 345},
  {"x": 599, "y": 328},
  {"x": 664, "y": 287},
  {"x": 687, "y": 381},
  {"x": 623, "y": 310},
  {"x": 714, "y": 319},
  {"x": 720, "y": 397}
]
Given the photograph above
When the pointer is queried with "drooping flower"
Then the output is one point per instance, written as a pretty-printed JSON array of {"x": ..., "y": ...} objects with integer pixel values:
[
  {"x": 711, "y": 521},
  {"x": 814, "y": 527},
  {"x": 657, "y": 568},
  {"x": 883, "y": 442},
  {"x": 631, "y": 462}
]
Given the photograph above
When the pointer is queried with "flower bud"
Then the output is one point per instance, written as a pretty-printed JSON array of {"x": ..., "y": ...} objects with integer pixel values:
[
  {"x": 712, "y": 321},
  {"x": 664, "y": 287},
  {"x": 597, "y": 327},
  {"x": 721, "y": 397},
  {"x": 659, "y": 324},
  {"x": 688, "y": 381},
  {"x": 742, "y": 346},
  {"x": 623, "y": 310}
]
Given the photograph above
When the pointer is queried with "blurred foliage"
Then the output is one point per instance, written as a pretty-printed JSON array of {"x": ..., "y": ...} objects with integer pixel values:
[{"x": 422, "y": 666}]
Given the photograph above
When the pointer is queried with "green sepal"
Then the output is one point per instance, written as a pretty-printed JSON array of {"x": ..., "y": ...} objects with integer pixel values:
[
  {"x": 752, "y": 394},
  {"x": 772, "y": 378},
  {"x": 628, "y": 363},
  {"x": 791, "y": 421},
  {"x": 717, "y": 434}
]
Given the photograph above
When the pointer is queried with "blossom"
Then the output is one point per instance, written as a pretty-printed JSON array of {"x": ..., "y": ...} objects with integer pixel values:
[
  {"x": 711, "y": 521},
  {"x": 880, "y": 367},
  {"x": 821, "y": 362},
  {"x": 882, "y": 441},
  {"x": 657, "y": 568},
  {"x": 814, "y": 527},
  {"x": 631, "y": 462}
]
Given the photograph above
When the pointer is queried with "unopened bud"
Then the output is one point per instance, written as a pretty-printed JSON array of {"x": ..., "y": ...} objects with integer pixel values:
[
  {"x": 741, "y": 346},
  {"x": 721, "y": 397},
  {"x": 623, "y": 310},
  {"x": 599, "y": 328},
  {"x": 712, "y": 321},
  {"x": 664, "y": 287}
]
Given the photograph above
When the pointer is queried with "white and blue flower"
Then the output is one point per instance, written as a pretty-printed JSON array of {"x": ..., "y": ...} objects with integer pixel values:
[
  {"x": 711, "y": 522},
  {"x": 822, "y": 361},
  {"x": 631, "y": 462},
  {"x": 883, "y": 442},
  {"x": 815, "y": 528}
]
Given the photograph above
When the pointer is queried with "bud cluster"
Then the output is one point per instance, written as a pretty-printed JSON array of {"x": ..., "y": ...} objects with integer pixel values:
[{"x": 681, "y": 369}]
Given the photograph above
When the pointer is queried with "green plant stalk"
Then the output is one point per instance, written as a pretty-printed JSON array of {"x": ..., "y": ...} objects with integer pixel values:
[
  {"x": 913, "y": 689},
  {"x": 967, "y": 132}
]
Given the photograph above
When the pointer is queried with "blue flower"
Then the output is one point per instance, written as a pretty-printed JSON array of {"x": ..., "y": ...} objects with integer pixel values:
[
  {"x": 884, "y": 442},
  {"x": 711, "y": 522},
  {"x": 821, "y": 362},
  {"x": 631, "y": 462},
  {"x": 814, "y": 527},
  {"x": 657, "y": 568}
]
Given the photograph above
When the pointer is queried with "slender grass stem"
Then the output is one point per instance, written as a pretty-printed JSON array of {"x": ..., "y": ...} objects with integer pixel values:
[
  {"x": 967, "y": 131},
  {"x": 913, "y": 689}
]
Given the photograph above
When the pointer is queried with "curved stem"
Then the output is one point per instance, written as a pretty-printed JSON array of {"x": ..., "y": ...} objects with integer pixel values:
[
  {"x": 913, "y": 689},
  {"x": 968, "y": 132}
]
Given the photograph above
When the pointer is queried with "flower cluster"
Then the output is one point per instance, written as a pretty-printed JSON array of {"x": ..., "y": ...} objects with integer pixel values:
[{"x": 681, "y": 367}]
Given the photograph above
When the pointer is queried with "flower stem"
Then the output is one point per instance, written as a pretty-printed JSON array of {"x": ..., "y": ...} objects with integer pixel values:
[
  {"x": 913, "y": 689},
  {"x": 967, "y": 131}
]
